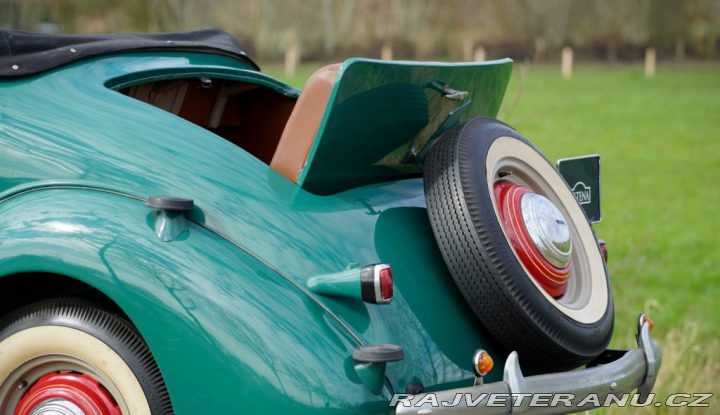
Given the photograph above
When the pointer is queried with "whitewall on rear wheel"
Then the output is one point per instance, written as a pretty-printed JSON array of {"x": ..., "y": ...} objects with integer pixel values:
[{"x": 67, "y": 356}]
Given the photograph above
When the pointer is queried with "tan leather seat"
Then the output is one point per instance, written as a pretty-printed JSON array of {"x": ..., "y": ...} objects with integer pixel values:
[{"x": 302, "y": 126}]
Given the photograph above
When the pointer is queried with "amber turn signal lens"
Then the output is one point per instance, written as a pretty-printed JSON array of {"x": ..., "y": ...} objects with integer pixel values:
[
  {"x": 482, "y": 362},
  {"x": 648, "y": 320}
]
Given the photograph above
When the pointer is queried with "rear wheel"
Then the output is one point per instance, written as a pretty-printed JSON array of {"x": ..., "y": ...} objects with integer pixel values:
[
  {"x": 68, "y": 356},
  {"x": 519, "y": 246}
]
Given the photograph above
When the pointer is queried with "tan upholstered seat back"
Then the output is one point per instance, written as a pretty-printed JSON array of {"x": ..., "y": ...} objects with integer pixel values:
[{"x": 302, "y": 126}]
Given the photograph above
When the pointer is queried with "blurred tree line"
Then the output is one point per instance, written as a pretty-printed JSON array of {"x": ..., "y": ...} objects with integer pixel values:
[{"x": 416, "y": 29}]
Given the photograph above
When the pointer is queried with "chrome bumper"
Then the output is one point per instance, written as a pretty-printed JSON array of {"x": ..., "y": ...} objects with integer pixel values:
[{"x": 635, "y": 369}]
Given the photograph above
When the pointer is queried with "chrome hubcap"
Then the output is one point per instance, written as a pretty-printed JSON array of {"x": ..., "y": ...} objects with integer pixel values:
[
  {"x": 57, "y": 406},
  {"x": 547, "y": 228}
]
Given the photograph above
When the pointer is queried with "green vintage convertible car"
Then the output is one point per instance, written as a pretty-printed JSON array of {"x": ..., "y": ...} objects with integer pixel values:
[{"x": 180, "y": 233}]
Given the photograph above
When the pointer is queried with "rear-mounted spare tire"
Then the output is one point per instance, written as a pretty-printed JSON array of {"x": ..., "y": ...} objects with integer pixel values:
[{"x": 519, "y": 246}]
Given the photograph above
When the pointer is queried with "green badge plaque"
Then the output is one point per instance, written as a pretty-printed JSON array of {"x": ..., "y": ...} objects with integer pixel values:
[{"x": 582, "y": 174}]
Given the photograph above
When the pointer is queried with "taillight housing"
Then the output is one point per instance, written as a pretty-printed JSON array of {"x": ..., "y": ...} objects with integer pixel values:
[{"x": 376, "y": 283}]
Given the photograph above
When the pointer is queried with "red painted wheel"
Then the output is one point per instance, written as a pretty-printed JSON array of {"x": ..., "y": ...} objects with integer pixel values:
[
  {"x": 70, "y": 357},
  {"x": 72, "y": 393},
  {"x": 538, "y": 233},
  {"x": 518, "y": 245}
]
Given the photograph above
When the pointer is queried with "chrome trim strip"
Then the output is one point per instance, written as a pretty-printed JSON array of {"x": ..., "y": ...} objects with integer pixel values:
[
  {"x": 22, "y": 192},
  {"x": 286, "y": 277}
]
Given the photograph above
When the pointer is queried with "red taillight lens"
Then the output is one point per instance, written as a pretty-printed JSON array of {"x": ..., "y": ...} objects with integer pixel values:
[
  {"x": 603, "y": 249},
  {"x": 386, "y": 284}
]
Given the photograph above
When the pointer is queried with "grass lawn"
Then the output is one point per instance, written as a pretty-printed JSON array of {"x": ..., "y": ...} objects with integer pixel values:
[{"x": 659, "y": 140}]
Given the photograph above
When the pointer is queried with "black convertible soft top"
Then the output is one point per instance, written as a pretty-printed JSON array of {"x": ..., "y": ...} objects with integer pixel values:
[{"x": 26, "y": 53}]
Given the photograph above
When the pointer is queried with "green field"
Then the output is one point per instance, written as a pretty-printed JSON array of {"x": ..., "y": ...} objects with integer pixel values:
[{"x": 659, "y": 140}]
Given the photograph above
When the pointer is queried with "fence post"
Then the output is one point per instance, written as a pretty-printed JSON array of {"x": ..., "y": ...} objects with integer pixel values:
[
  {"x": 566, "y": 62},
  {"x": 479, "y": 54},
  {"x": 386, "y": 53},
  {"x": 292, "y": 58},
  {"x": 650, "y": 60}
]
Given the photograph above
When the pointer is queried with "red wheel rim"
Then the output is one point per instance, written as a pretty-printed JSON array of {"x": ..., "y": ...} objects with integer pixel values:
[
  {"x": 551, "y": 278},
  {"x": 80, "y": 390}
]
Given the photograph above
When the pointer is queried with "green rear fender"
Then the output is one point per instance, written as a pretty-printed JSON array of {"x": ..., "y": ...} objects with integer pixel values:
[{"x": 211, "y": 313}]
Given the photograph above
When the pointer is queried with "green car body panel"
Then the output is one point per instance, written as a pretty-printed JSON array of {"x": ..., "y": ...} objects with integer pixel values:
[{"x": 224, "y": 307}]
